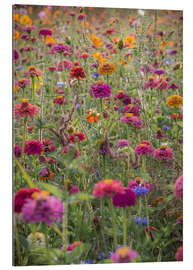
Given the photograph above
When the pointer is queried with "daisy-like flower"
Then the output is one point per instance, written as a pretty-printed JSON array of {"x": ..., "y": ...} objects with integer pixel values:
[
  {"x": 77, "y": 72},
  {"x": 106, "y": 68},
  {"x": 124, "y": 255}
]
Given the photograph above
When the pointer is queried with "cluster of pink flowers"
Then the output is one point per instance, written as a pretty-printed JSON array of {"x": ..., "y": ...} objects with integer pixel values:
[
  {"x": 48, "y": 146},
  {"x": 144, "y": 148}
]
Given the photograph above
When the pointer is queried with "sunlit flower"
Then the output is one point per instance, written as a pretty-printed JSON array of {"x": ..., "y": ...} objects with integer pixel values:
[
  {"x": 25, "y": 109},
  {"x": 107, "y": 188},
  {"x": 143, "y": 148},
  {"x": 92, "y": 116},
  {"x": 106, "y": 68},
  {"x": 129, "y": 41},
  {"x": 174, "y": 101}
]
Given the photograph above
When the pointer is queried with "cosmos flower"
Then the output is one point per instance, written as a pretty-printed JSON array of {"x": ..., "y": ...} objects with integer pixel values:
[
  {"x": 163, "y": 153},
  {"x": 107, "y": 188},
  {"x": 125, "y": 198},
  {"x": 21, "y": 197},
  {"x": 100, "y": 90},
  {"x": 33, "y": 147},
  {"x": 42, "y": 208},
  {"x": 124, "y": 255},
  {"x": 178, "y": 187}
]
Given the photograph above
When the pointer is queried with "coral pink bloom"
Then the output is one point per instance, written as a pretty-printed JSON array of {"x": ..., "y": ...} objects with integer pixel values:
[
  {"x": 124, "y": 255},
  {"x": 25, "y": 109},
  {"x": 107, "y": 188},
  {"x": 178, "y": 187},
  {"x": 163, "y": 153}
]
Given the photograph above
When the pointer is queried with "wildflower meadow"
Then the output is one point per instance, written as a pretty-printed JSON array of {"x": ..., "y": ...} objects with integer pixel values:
[{"x": 97, "y": 135}]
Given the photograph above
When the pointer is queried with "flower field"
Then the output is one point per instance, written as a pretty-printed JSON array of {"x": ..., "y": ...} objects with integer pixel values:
[{"x": 98, "y": 135}]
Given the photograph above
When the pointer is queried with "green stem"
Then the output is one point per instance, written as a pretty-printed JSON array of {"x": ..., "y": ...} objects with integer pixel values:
[
  {"x": 47, "y": 244},
  {"x": 17, "y": 243},
  {"x": 33, "y": 88},
  {"x": 64, "y": 227},
  {"x": 124, "y": 226},
  {"x": 24, "y": 135},
  {"x": 113, "y": 223}
]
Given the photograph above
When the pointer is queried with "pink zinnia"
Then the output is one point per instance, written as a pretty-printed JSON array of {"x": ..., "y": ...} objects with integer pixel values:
[
  {"x": 59, "y": 100},
  {"x": 131, "y": 108},
  {"x": 107, "y": 188},
  {"x": 178, "y": 187},
  {"x": 124, "y": 255},
  {"x": 67, "y": 64},
  {"x": 33, "y": 147},
  {"x": 25, "y": 109},
  {"x": 127, "y": 198},
  {"x": 17, "y": 151},
  {"x": 45, "y": 32},
  {"x": 163, "y": 153},
  {"x": 133, "y": 120},
  {"x": 143, "y": 148},
  {"x": 179, "y": 254}
]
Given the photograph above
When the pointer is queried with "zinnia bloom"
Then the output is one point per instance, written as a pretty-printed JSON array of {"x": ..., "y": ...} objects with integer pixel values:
[
  {"x": 131, "y": 119},
  {"x": 77, "y": 72},
  {"x": 60, "y": 48},
  {"x": 32, "y": 71},
  {"x": 122, "y": 143},
  {"x": 33, "y": 147},
  {"x": 107, "y": 188},
  {"x": 179, "y": 254},
  {"x": 124, "y": 98},
  {"x": 106, "y": 68},
  {"x": 174, "y": 101},
  {"x": 124, "y": 255},
  {"x": 17, "y": 151},
  {"x": 131, "y": 108},
  {"x": 100, "y": 90},
  {"x": 25, "y": 109},
  {"x": 59, "y": 100},
  {"x": 123, "y": 199},
  {"x": 42, "y": 208},
  {"x": 45, "y": 32},
  {"x": 92, "y": 116},
  {"x": 178, "y": 187},
  {"x": 143, "y": 148},
  {"x": 21, "y": 197},
  {"x": 163, "y": 153},
  {"x": 22, "y": 82}
]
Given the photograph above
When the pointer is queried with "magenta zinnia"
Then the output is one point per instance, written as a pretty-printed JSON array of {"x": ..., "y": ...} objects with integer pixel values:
[
  {"x": 33, "y": 147},
  {"x": 163, "y": 153},
  {"x": 143, "y": 148},
  {"x": 126, "y": 198},
  {"x": 100, "y": 90}
]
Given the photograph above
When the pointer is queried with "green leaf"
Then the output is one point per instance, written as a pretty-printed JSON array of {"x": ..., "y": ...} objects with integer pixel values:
[
  {"x": 25, "y": 175},
  {"x": 52, "y": 189},
  {"x": 80, "y": 197}
]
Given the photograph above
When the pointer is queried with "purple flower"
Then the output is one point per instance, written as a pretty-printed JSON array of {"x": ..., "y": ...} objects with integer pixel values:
[
  {"x": 60, "y": 48},
  {"x": 146, "y": 68},
  {"x": 159, "y": 71},
  {"x": 15, "y": 55},
  {"x": 100, "y": 90},
  {"x": 33, "y": 147},
  {"x": 45, "y": 32},
  {"x": 17, "y": 151},
  {"x": 42, "y": 209},
  {"x": 128, "y": 198},
  {"x": 122, "y": 143}
]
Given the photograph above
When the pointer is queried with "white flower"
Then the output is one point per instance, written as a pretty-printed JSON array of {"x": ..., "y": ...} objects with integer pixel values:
[{"x": 141, "y": 12}]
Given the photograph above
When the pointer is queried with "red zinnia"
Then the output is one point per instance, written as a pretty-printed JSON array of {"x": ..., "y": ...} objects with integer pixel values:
[{"x": 77, "y": 72}]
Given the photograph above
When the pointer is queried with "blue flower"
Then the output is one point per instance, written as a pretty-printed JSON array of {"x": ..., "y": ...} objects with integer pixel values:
[
  {"x": 141, "y": 190},
  {"x": 141, "y": 221},
  {"x": 165, "y": 127},
  {"x": 89, "y": 261},
  {"x": 60, "y": 84},
  {"x": 95, "y": 74}
]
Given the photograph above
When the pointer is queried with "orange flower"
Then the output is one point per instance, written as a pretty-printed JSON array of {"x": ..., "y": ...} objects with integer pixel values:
[
  {"x": 129, "y": 41},
  {"x": 106, "y": 68},
  {"x": 50, "y": 40},
  {"x": 16, "y": 17},
  {"x": 92, "y": 116},
  {"x": 26, "y": 20},
  {"x": 56, "y": 13},
  {"x": 114, "y": 39},
  {"x": 163, "y": 44},
  {"x": 96, "y": 55},
  {"x": 174, "y": 101},
  {"x": 16, "y": 35},
  {"x": 95, "y": 40},
  {"x": 15, "y": 88}
]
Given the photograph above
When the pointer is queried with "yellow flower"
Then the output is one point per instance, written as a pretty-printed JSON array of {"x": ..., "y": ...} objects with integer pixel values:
[
  {"x": 106, "y": 68},
  {"x": 174, "y": 101},
  {"x": 26, "y": 20},
  {"x": 96, "y": 55},
  {"x": 129, "y": 41}
]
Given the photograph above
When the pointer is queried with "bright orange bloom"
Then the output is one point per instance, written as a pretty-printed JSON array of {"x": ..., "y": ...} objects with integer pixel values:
[
  {"x": 16, "y": 35},
  {"x": 92, "y": 116},
  {"x": 106, "y": 68},
  {"x": 16, "y": 17},
  {"x": 163, "y": 44},
  {"x": 129, "y": 41},
  {"x": 95, "y": 40},
  {"x": 174, "y": 101},
  {"x": 26, "y": 20},
  {"x": 50, "y": 40},
  {"x": 114, "y": 39}
]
